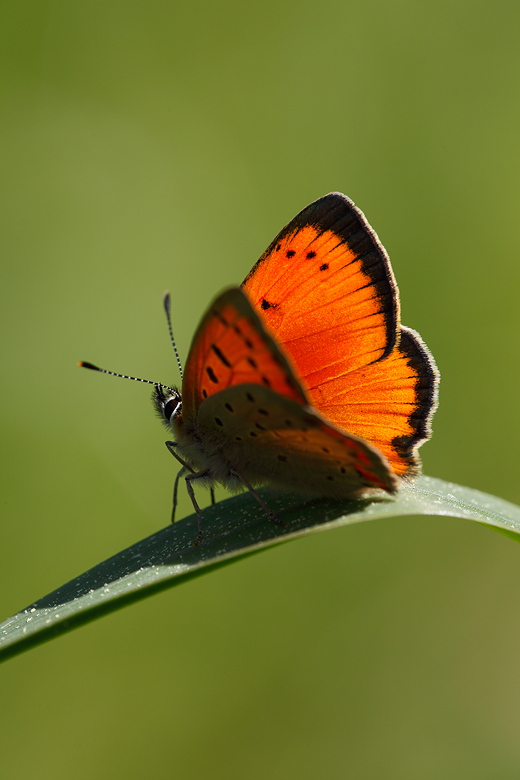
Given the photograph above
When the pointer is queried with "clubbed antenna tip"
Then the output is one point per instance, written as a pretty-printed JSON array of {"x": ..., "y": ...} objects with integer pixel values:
[{"x": 84, "y": 364}]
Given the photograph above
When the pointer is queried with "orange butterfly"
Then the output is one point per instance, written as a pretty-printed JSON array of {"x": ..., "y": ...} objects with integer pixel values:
[{"x": 304, "y": 378}]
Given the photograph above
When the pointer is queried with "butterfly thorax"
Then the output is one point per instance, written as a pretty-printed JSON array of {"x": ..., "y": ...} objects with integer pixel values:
[{"x": 205, "y": 453}]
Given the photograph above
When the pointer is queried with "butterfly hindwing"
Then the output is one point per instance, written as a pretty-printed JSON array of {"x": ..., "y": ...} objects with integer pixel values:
[
  {"x": 267, "y": 437},
  {"x": 390, "y": 403}
]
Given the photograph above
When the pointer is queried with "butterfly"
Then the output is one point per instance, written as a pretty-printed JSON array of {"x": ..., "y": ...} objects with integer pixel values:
[{"x": 303, "y": 378}]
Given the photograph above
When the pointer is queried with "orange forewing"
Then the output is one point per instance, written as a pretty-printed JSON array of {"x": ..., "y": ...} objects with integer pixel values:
[
  {"x": 231, "y": 347},
  {"x": 326, "y": 289}
]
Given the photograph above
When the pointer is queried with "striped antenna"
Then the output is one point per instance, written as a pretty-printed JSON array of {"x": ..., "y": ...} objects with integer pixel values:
[
  {"x": 84, "y": 364},
  {"x": 174, "y": 345}
]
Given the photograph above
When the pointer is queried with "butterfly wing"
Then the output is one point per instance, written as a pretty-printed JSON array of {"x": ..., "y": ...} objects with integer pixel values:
[
  {"x": 231, "y": 347},
  {"x": 269, "y": 438},
  {"x": 326, "y": 288},
  {"x": 245, "y": 407},
  {"x": 389, "y": 403}
]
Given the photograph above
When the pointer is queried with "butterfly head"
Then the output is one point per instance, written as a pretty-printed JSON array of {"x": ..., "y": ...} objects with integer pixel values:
[{"x": 168, "y": 403}]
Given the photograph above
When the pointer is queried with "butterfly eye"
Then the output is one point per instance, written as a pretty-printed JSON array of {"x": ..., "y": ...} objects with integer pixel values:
[
  {"x": 167, "y": 404},
  {"x": 172, "y": 408}
]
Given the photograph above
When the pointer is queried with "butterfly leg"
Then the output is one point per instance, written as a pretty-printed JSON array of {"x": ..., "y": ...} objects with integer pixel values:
[
  {"x": 191, "y": 493},
  {"x": 212, "y": 494},
  {"x": 171, "y": 448},
  {"x": 269, "y": 512},
  {"x": 180, "y": 474},
  {"x": 192, "y": 475}
]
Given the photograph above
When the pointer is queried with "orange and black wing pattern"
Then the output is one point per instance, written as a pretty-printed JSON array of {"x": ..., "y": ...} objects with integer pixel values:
[
  {"x": 389, "y": 403},
  {"x": 326, "y": 289},
  {"x": 231, "y": 347}
]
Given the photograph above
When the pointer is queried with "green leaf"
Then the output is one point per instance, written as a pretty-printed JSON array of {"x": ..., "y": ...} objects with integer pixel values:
[{"x": 233, "y": 529}]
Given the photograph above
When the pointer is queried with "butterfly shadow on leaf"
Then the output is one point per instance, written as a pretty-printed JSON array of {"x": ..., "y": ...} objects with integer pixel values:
[
  {"x": 234, "y": 524},
  {"x": 241, "y": 520}
]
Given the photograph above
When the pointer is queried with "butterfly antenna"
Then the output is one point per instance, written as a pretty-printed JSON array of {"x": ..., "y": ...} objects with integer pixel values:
[
  {"x": 84, "y": 364},
  {"x": 168, "y": 318}
]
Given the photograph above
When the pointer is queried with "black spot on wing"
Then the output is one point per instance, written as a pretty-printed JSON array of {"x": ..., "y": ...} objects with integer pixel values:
[
  {"x": 220, "y": 317},
  {"x": 212, "y": 375},
  {"x": 218, "y": 352},
  {"x": 337, "y": 213}
]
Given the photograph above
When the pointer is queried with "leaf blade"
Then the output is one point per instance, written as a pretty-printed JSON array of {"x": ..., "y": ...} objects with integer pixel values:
[{"x": 234, "y": 529}]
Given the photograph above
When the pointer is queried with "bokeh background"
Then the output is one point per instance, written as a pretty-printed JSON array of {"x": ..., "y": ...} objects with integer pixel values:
[{"x": 154, "y": 145}]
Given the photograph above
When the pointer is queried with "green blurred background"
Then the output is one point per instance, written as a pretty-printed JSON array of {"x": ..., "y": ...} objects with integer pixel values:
[{"x": 154, "y": 145}]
